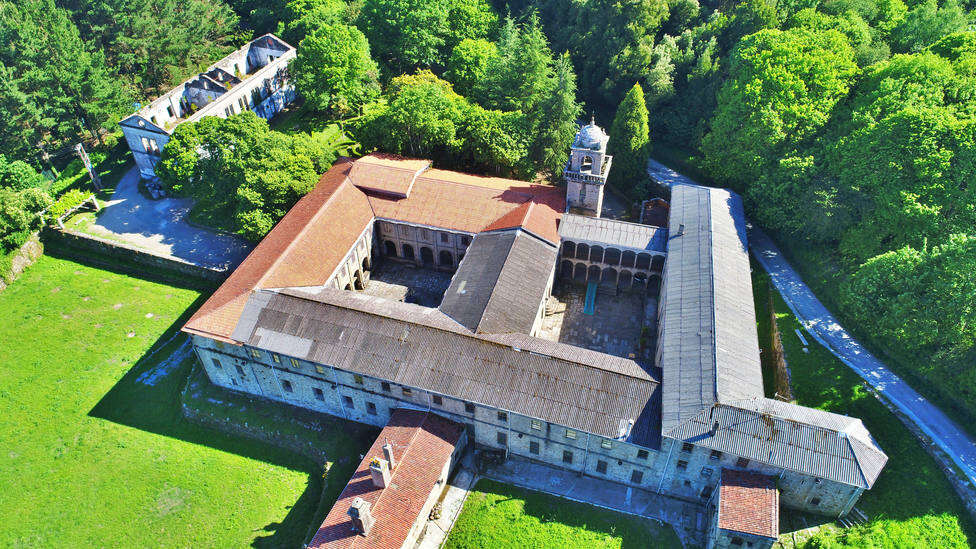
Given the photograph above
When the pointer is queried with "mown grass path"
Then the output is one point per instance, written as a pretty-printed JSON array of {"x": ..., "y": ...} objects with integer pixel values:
[{"x": 93, "y": 450}]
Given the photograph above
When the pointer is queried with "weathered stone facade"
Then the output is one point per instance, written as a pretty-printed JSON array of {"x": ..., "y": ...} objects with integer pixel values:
[{"x": 587, "y": 170}]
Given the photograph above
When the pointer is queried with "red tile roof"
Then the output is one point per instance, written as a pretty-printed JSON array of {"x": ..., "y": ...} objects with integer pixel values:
[
  {"x": 748, "y": 503},
  {"x": 422, "y": 446},
  {"x": 310, "y": 242}
]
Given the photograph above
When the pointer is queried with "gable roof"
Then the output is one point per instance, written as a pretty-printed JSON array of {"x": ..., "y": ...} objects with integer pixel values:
[
  {"x": 387, "y": 174},
  {"x": 423, "y": 444},
  {"x": 420, "y": 347},
  {"x": 611, "y": 232},
  {"x": 501, "y": 282},
  {"x": 748, "y": 503}
]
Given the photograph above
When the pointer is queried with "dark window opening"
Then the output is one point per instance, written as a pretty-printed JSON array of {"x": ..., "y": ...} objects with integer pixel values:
[
  {"x": 687, "y": 447},
  {"x": 642, "y": 454},
  {"x": 371, "y": 408},
  {"x": 815, "y": 501},
  {"x": 386, "y": 387},
  {"x": 715, "y": 455},
  {"x": 502, "y": 416},
  {"x": 216, "y": 363},
  {"x": 502, "y": 438},
  {"x": 407, "y": 391},
  {"x": 286, "y": 385},
  {"x": 347, "y": 400},
  {"x": 682, "y": 465},
  {"x": 240, "y": 371},
  {"x": 742, "y": 463},
  {"x": 706, "y": 492},
  {"x": 636, "y": 476},
  {"x": 567, "y": 456},
  {"x": 438, "y": 400},
  {"x": 534, "y": 447},
  {"x": 601, "y": 467},
  {"x": 319, "y": 395},
  {"x": 468, "y": 407}
]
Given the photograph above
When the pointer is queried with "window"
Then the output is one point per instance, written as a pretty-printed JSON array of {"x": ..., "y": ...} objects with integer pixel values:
[
  {"x": 601, "y": 467},
  {"x": 275, "y": 358},
  {"x": 687, "y": 447},
  {"x": 605, "y": 443},
  {"x": 240, "y": 371},
  {"x": 319, "y": 395},
  {"x": 742, "y": 463},
  {"x": 502, "y": 416},
  {"x": 294, "y": 362},
  {"x": 358, "y": 379},
  {"x": 501, "y": 438},
  {"x": 468, "y": 407},
  {"x": 706, "y": 492},
  {"x": 255, "y": 353},
  {"x": 445, "y": 238},
  {"x": 706, "y": 472},
  {"x": 371, "y": 408},
  {"x": 737, "y": 541},
  {"x": 536, "y": 425},
  {"x": 169, "y": 110},
  {"x": 426, "y": 234},
  {"x": 407, "y": 391},
  {"x": 216, "y": 364},
  {"x": 636, "y": 476},
  {"x": 438, "y": 400},
  {"x": 286, "y": 385},
  {"x": 817, "y": 480},
  {"x": 386, "y": 386},
  {"x": 815, "y": 502},
  {"x": 567, "y": 456},
  {"x": 570, "y": 434},
  {"x": 534, "y": 447},
  {"x": 715, "y": 455},
  {"x": 465, "y": 240},
  {"x": 682, "y": 465},
  {"x": 319, "y": 369},
  {"x": 347, "y": 401},
  {"x": 642, "y": 454}
]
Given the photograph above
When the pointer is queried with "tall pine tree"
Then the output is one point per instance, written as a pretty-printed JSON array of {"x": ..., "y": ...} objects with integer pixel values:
[{"x": 629, "y": 142}]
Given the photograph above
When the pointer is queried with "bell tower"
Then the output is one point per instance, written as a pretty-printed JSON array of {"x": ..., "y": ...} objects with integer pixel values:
[{"x": 587, "y": 169}]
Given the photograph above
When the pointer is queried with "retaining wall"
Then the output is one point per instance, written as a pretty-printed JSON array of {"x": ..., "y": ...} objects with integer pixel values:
[{"x": 24, "y": 257}]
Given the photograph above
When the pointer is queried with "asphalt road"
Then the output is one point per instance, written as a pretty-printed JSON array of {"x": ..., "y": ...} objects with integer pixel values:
[
  {"x": 160, "y": 227},
  {"x": 825, "y": 329}
]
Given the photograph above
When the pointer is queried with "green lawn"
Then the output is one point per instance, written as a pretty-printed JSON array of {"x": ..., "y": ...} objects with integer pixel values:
[
  {"x": 912, "y": 504},
  {"x": 95, "y": 452},
  {"x": 502, "y": 516}
]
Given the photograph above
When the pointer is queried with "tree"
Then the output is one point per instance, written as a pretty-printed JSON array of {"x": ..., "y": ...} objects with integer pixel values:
[
  {"x": 333, "y": 70},
  {"x": 303, "y": 17},
  {"x": 19, "y": 215},
  {"x": 556, "y": 125},
  {"x": 469, "y": 64},
  {"x": 926, "y": 23},
  {"x": 629, "y": 141},
  {"x": 18, "y": 175},
  {"x": 782, "y": 88}
]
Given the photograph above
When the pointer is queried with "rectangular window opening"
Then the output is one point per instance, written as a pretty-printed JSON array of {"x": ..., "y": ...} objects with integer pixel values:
[
  {"x": 371, "y": 408},
  {"x": 347, "y": 401},
  {"x": 601, "y": 467},
  {"x": 567, "y": 456},
  {"x": 286, "y": 385},
  {"x": 319, "y": 394},
  {"x": 534, "y": 447},
  {"x": 438, "y": 400},
  {"x": 636, "y": 476}
]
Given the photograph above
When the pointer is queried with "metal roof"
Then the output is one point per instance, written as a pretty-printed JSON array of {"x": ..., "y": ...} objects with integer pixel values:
[
  {"x": 708, "y": 344},
  {"x": 611, "y": 232},
  {"x": 421, "y": 347},
  {"x": 501, "y": 282},
  {"x": 788, "y": 436}
]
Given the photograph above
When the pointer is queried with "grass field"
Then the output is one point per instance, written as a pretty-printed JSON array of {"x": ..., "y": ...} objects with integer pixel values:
[
  {"x": 912, "y": 504},
  {"x": 94, "y": 450},
  {"x": 503, "y": 516}
]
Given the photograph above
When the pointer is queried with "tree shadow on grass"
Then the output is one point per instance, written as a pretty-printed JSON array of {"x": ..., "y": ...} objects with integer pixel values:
[{"x": 153, "y": 404}]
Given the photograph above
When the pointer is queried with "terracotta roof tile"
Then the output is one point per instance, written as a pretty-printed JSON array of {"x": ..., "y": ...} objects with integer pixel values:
[
  {"x": 748, "y": 503},
  {"x": 387, "y": 173},
  {"x": 422, "y": 446}
]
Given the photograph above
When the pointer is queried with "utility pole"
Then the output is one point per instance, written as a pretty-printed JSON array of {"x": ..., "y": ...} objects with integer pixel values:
[{"x": 80, "y": 149}]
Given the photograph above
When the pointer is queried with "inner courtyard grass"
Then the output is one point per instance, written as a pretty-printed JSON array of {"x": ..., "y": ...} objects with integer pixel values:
[
  {"x": 503, "y": 516},
  {"x": 95, "y": 452},
  {"x": 912, "y": 503}
]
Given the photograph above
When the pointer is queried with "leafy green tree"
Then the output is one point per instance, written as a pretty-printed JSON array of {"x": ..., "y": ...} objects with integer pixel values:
[
  {"x": 303, "y": 17},
  {"x": 629, "y": 141},
  {"x": 469, "y": 64},
  {"x": 782, "y": 88},
  {"x": 333, "y": 70},
  {"x": 926, "y": 23},
  {"x": 555, "y": 125},
  {"x": 19, "y": 215},
  {"x": 861, "y": 36},
  {"x": 18, "y": 175}
]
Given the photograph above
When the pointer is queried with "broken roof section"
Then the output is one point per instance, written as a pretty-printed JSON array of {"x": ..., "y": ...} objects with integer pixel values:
[{"x": 501, "y": 282}]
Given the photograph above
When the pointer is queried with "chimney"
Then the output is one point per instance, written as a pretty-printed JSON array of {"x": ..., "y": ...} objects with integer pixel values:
[
  {"x": 379, "y": 469},
  {"x": 681, "y": 229},
  {"x": 362, "y": 519},
  {"x": 388, "y": 455}
]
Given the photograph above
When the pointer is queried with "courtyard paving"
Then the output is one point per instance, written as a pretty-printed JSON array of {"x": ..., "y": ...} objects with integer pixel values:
[
  {"x": 160, "y": 228},
  {"x": 401, "y": 282}
]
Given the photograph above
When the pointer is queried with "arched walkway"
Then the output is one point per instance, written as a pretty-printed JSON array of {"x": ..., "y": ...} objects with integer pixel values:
[
  {"x": 611, "y": 256},
  {"x": 366, "y": 264},
  {"x": 609, "y": 277},
  {"x": 446, "y": 258},
  {"x": 657, "y": 264},
  {"x": 358, "y": 281},
  {"x": 625, "y": 280},
  {"x": 596, "y": 254},
  {"x": 628, "y": 259},
  {"x": 426, "y": 256},
  {"x": 579, "y": 273},
  {"x": 582, "y": 251},
  {"x": 644, "y": 261},
  {"x": 349, "y": 287},
  {"x": 593, "y": 274},
  {"x": 640, "y": 281},
  {"x": 566, "y": 269},
  {"x": 654, "y": 285},
  {"x": 390, "y": 248},
  {"x": 569, "y": 249},
  {"x": 408, "y": 252}
]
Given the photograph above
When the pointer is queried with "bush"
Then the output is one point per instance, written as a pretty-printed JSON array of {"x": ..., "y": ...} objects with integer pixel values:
[
  {"x": 19, "y": 215},
  {"x": 66, "y": 202}
]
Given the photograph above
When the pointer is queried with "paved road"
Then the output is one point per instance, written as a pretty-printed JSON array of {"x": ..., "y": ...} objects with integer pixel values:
[
  {"x": 159, "y": 227},
  {"x": 825, "y": 329}
]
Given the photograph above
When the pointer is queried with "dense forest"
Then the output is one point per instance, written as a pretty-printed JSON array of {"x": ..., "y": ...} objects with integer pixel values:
[{"x": 849, "y": 126}]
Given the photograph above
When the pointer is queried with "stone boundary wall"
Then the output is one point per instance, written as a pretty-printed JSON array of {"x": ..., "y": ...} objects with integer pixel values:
[
  {"x": 784, "y": 391},
  {"x": 140, "y": 259},
  {"x": 20, "y": 260}
]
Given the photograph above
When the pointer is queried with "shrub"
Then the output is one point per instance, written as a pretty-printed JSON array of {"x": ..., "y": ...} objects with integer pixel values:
[{"x": 66, "y": 202}]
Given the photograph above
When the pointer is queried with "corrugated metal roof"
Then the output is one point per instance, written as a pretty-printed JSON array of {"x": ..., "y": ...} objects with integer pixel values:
[
  {"x": 789, "y": 436},
  {"x": 709, "y": 345},
  {"x": 413, "y": 345},
  {"x": 611, "y": 232},
  {"x": 501, "y": 282}
]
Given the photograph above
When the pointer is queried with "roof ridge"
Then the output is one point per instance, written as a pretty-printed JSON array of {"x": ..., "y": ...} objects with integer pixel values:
[
  {"x": 494, "y": 289},
  {"x": 416, "y": 432}
]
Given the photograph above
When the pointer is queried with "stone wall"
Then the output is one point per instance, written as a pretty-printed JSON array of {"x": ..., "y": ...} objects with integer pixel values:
[
  {"x": 102, "y": 252},
  {"x": 23, "y": 257}
]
